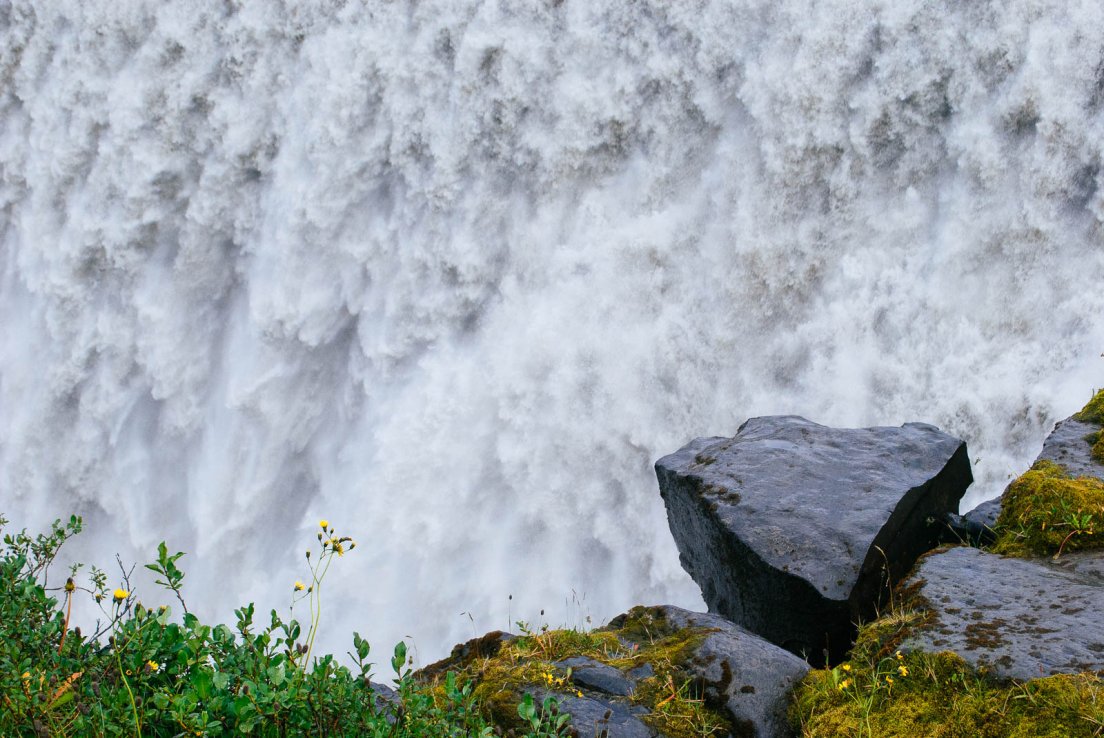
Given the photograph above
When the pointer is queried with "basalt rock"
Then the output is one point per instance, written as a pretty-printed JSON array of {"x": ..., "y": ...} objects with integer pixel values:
[
  {"x": 1018, "y": 618},
  {"x": 751, "y": 678},
  {"x": 795, "y": 531}
]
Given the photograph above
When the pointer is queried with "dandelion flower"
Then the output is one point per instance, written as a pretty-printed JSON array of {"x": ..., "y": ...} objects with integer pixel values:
[
  {"x": 846, "y": 667},
  {"x": 902, "y": 670},
  {"x": 120, "y": 594},
  {"x": 900, "y": 657},
  {"x": 339, "y": 548},
  {"x": 153, "y": 665},
  {"x": 845, "y": 684},
  {"x": 323, "y": 523},
  {"x": 298, "y": 586},
  {"x": 889, "y": 680}
]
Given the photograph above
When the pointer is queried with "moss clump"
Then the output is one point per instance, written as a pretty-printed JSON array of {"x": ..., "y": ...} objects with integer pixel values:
[
  {"x": 1046, "y": 511},
  {"x": 883, "y": 692},
  {"x": 641, "y": 637},
  {"x": 1094, "y": 411}
]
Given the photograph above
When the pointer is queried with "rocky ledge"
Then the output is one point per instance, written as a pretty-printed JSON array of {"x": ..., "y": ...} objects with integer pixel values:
[{"x": 800, "y": 536}]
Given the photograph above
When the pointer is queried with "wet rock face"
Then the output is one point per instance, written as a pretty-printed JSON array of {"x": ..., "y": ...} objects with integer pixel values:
[
  {"x": 1019, "y": 618},
  {"x": 749, "y": 676},
  {"x": 795, "y": 530}
]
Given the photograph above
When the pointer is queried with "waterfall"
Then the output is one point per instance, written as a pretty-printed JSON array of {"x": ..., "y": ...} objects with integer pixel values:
[{"x": 454, "y": 273}]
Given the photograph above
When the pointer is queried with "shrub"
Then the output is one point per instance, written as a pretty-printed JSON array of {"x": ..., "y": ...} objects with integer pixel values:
[{"x": 145, "y": 673}]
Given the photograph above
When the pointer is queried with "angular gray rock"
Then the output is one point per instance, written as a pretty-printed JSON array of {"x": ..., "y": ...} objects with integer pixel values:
[
  {"x": 752, "y": 678},
  {"x": 795, "y": 531},
  {"x": 1019, "y": 618},
  {"x": 600, "y": 718},
  {"x": 985, "y": 515},
  {"x": 590, "y": 674}
]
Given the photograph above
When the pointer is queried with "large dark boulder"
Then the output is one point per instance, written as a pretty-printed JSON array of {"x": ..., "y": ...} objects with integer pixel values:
[
  {"x": 1018, "y": 618},
  {"x": 796, "y": 531}
]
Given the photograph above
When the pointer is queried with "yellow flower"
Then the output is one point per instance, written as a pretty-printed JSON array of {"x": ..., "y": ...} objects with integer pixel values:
[
  {"x": 900, "y": 657},
  {"x": 324, "y": 523},
  {"x": 339, "y": 548},
  {"x": 902, "y": 670},
  {"x": 153, "y": 665},
  {"x": 120, "y": 594},
  {"x": 846, "y": 667},
  {"x": 889, "y": 680},
  {"x": 845, "y": 684},
  {"x": 298, "y": 586}
]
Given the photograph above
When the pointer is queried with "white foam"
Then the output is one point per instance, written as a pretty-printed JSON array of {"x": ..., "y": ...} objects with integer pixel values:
[{"x": 454, "y": 275}]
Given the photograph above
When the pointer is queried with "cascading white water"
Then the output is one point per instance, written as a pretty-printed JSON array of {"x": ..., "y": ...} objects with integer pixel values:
[{"x": 453, "y": 274}]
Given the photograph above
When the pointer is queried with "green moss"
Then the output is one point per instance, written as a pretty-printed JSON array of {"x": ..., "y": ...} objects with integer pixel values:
[
  {"x": 642, "y": 636},
  {"x": 1046, "y": 511},
  {"x": 1094, "y": 411},
  {"x": 883, "y": 692}
]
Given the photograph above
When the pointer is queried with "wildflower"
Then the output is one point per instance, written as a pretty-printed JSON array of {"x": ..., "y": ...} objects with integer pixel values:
[
  {"x": 298, "y": 586},
  {"x": 578, "y": 693},
  {"x": 339, "y": 548},
  {"x": 900, "y": 657},
  {"x": 153, "y": 666},
  {"x": 902, "y": 670},
  {"x": 97, "y": 596},
  {"x": 846, "y": 667},
  {"x": 120, "y": 594},
  {"x": 69, "y": 586},
  {"x": 889, "y": 680},
  {"x": 323, "y": 523},
  {"x": 845, "y": 684}
]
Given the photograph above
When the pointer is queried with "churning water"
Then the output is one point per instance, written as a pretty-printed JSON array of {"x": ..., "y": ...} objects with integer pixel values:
[{"x": 453, "y": 274}]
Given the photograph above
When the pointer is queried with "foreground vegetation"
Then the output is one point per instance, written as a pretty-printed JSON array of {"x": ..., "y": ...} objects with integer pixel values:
[{"x": 145, "y": 672}]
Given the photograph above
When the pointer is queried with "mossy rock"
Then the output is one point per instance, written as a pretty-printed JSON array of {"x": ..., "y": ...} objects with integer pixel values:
[
  {"x": 1094, "y": 411},
  {"x": 640, "y": 644},
  {"x": 882, "y": 691},
  {"x": 1046, "y": 511}
]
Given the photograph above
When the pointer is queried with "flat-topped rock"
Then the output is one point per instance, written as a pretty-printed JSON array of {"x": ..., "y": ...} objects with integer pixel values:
[
  {"x": 794, "y": 530},
  {"x": 1018, "y": 618}
]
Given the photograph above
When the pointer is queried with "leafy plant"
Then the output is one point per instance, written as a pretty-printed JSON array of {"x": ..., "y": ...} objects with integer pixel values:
[{"x": 155, "y": 675}]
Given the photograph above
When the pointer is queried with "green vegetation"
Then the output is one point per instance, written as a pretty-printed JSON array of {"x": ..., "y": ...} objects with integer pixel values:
[
  {"x": 883, "y": 692},
  {"x": 143, "y": 673},
  {"x": 1046, "y": 511},
  {"x": 642, "y": 638},
  {"x": 1094, "y": 413}
]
